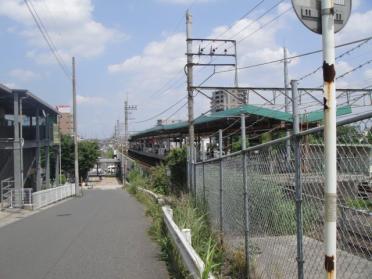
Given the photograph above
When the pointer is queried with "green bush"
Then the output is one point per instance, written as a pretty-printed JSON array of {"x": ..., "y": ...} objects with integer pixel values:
[
  {"x": 271, "y": 211},
  {"x": 360, "y": 204},
  {"x": 237, "y": 144},
  {"x": 62, "y": 179},
  {"x": 176, "y": 161},
  {"x": 159, "y": 180},
  {"x": 136, "y": 179}
]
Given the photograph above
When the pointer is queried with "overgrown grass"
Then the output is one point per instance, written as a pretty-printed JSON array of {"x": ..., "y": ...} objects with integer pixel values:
[
  {"x": 157, "y": 230},
  {"x": 186, "y": 215},
  {"x": 193, "y": 216}
]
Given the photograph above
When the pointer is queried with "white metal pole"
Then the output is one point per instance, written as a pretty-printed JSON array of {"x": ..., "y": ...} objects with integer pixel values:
[
  {"x": 220, "y": 142},
  {"x": 329, "y": 73},
  {"x": 75, "y": 128},
  {"x": 242, "y": 127}
]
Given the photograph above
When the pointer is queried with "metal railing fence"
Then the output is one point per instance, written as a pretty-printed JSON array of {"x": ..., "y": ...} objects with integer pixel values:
[
  {"x": 267, "y": 202},
  {"x": 6, "y": 186},
  {"x": 52, "y": 195}
]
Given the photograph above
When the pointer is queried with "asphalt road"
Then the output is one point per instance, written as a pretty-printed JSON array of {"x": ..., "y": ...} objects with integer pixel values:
[{"x": 101, "y": 235}]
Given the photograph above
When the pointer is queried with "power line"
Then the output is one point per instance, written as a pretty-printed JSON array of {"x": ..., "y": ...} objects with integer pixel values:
[
  {"x": 338, "y": 57},
  {"x": 46, "y": 37},
  {"x": 354, "y": 69},
  {"x": 232, "y": 25},
  {"x": 264, "y": 25},
  {"x": 168, "y": 85},
  {"x": 164, "y": 111},
  {"x": 258, "y": 18},
  {"x": 292, "y": 57},
  {"x": 185, "y": 104},
  {"x": 242, "y": 17}
]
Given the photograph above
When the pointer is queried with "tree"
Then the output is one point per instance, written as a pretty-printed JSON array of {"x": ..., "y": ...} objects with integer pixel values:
[
  {"x": 348, "y": 134},
  {"x": 67, "y": 158},
  {"x": 88, "y": 155},
  {"x": 237, "y": 144}
]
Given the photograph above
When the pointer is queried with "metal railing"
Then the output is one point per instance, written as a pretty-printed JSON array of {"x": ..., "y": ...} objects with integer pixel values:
[
  {"x": 267, "y": 202},
  {"x": 49, "y": 196},
  {"x": 6, "y": 188}
]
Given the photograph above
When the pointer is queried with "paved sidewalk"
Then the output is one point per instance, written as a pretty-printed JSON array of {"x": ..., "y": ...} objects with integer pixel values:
[{"x": 101, "y": 235}]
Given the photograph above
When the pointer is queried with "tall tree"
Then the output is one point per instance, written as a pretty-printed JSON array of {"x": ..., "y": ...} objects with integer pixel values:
[{"x": 88, "y": 155}]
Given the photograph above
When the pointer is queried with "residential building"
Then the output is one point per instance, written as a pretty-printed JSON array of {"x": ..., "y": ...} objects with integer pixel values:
[
  {"x": 223, "y": 100},
  {"x": 66, "y": 122}
]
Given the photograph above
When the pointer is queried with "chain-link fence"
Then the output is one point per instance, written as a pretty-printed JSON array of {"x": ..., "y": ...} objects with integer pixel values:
[{"x": 269, "y": 203}]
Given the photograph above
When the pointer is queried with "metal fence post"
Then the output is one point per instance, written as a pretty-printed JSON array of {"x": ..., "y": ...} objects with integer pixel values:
[
  {"x": 194, "y": 179},
  {"x": 245, "y": 190},
  {"x": 188, "y": 168},
  {"x": 221, "y": 183},
  {"x": 203, "y": 169},
  {"x": 298, "y": 184}
]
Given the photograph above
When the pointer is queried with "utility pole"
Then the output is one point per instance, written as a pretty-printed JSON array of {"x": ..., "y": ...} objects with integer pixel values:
[
  {"x": 190, "y": 99},
  {"x": 75, "y": 128},
  {"x": 286, "y": 102},
  {"x": 126, "y": 125},
  {"x": 127, "y": 110},
  {"x": 329, "y": 73}
]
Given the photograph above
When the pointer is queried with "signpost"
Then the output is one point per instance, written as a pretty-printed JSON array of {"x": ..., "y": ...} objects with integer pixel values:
[
  {"x": 309, "y": 12},
  {"x": 327, "y": 17}
]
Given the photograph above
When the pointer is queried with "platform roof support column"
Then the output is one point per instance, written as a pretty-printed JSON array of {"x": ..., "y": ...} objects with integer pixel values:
[
  {"x": 17, "y": 150},
  {"x": 47, "y": 157},
  {"x": 38, "y": 158}
]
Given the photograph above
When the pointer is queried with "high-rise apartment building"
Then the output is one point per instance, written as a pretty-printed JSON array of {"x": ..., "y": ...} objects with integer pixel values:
[{"x": 222, "y": 100}]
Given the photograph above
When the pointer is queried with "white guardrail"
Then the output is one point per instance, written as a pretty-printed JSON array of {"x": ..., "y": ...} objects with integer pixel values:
[
  {"x": 52, "y": 195},
  {"x": 182, "y": 239}
]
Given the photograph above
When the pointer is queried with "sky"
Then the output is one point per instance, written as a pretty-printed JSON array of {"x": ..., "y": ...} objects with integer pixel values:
[{"x": 135, "y": 50}]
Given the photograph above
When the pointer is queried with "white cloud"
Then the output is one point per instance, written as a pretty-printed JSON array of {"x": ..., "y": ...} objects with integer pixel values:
[
  {"x": 164, "y": 56},
  {"x": 163, "y": 61},
  {"x": 359, "y": 26},
  {"x": 368, "y": 74},
  {"x": 89, "y": 100},
  {"x": 24, "y": 75},
  {"x": 70, "y": 24}
]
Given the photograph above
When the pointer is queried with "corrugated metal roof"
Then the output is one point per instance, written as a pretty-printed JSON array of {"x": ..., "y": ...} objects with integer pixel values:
[{"x": 248, "y": 110}]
